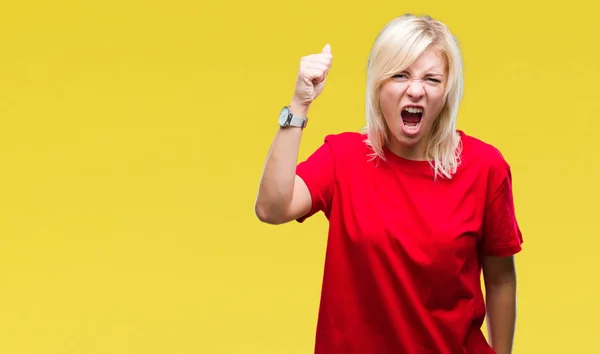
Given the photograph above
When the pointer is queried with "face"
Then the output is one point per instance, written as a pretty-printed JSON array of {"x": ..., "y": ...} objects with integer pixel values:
[{"x": 411, "y": 101}]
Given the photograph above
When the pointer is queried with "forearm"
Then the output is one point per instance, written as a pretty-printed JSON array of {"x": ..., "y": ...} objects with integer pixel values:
[
  {"x": 277, "y": 182},
  {"x": 501, "y": 311}
]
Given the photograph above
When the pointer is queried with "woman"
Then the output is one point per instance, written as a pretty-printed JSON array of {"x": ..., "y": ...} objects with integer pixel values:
[{"x": 417, "y": 209}]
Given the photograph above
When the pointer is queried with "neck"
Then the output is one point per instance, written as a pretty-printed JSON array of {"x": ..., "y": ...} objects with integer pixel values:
[{"x": 414, "y": 152}]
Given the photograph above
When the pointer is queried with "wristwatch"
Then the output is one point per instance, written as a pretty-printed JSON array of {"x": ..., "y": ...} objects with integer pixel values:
[{"x": 288, "y": 119}]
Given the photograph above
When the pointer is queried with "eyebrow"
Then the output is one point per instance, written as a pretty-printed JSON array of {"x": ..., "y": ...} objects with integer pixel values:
[{"x": 427, "y": 73}]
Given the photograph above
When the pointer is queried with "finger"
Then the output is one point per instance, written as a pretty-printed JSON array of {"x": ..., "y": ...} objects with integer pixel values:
[
  {"x": 326, "y": 49},
  {"x": 321, "y": 57},
  {"x": 316, "y": 65},
  {"x": 324, "y": 65},
  {"x": 314, "y": 75}
]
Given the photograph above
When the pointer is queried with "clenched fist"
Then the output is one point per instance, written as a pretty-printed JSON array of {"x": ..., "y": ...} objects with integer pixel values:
[{"x": 312, "y": 75}]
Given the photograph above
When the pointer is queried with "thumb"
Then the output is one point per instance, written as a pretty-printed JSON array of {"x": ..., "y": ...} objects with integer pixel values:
[{"x": 327, "y": 49}]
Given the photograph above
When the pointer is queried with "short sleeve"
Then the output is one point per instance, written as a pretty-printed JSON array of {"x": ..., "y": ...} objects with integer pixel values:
[
  {"x": 501, "y": 232},
  {"x": 317, "y": 172}
]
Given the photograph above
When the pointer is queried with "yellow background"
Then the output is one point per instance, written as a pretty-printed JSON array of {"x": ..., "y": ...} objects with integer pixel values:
[{"x": 133, "y": 135}]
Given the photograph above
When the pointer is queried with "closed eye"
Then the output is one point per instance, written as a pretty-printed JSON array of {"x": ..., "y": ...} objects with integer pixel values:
[{"x": 405, "y": 77}]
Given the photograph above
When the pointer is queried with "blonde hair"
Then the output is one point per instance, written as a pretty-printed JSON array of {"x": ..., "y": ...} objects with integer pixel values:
[{"x": 396, "y": 47}]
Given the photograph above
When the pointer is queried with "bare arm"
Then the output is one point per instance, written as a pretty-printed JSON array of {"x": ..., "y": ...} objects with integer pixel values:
[
  {"x": 282, "y": 195},
  {"x": 501, "y": 287}
]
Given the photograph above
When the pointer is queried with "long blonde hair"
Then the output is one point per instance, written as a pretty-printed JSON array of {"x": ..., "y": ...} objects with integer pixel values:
[{"x": 396, "y": 47}]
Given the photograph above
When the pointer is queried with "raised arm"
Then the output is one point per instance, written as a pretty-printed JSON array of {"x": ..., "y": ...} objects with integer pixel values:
[{"x": 282, "y": 195}]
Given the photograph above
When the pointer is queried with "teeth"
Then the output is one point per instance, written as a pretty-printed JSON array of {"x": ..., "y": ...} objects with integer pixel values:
[{"x": 413, "y": 110}]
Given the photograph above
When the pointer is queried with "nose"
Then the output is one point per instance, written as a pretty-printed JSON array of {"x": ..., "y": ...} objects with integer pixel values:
[{"x": 415, "y": 89}]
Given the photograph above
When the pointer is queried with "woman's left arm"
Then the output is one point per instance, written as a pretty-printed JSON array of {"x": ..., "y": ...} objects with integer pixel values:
[{"x": 501, "y": 301}]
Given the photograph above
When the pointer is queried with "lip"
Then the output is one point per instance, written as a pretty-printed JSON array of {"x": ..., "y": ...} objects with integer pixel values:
[
  {"x": 412, "y": 106},
  {"x": 416, "y": 131},
  {"x": 411, "y": 132}
]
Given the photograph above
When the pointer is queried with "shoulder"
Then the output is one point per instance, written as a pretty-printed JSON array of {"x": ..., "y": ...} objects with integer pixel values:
[
  {"x": 347, "y": 151},
  {"x": 346, "y": 139},
  {"x": 347, "y": 144},
  {"x": 483, "y": 154},
  {"x": 486, "y": 161}
]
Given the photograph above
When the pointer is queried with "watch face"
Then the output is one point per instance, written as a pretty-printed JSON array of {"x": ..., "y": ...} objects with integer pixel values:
[{"x": 283, "y": 116}]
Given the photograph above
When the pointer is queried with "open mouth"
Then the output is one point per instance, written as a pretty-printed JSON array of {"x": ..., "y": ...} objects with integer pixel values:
[{"x": 411, "y": 118}]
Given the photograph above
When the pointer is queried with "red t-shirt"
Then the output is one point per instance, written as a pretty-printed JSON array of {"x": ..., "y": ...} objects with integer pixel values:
[{"x": 402, "y": 268}]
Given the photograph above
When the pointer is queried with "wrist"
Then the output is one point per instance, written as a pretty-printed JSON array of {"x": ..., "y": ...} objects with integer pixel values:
[{"x": 299, "y": 109}]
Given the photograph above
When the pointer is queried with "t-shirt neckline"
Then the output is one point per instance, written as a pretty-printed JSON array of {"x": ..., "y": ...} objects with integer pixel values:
[{"x": 419, "y": 165}]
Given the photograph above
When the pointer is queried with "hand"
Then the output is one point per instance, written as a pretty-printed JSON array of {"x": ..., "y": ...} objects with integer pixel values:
[{"x": 311, "y": 77}]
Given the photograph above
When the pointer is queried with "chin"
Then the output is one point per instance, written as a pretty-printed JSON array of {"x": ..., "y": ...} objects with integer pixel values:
[{"x": 408, "y": 138}]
